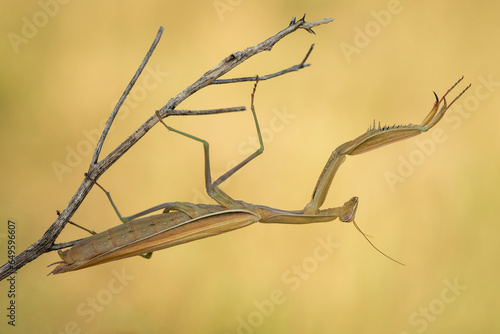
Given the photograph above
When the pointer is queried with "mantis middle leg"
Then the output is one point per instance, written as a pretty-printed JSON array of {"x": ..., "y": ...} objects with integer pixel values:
[{"x": 212, "y": 188}]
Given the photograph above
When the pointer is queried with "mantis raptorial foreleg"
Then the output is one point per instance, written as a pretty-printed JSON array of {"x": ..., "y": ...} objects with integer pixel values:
[{"x": 372, "y": 139}]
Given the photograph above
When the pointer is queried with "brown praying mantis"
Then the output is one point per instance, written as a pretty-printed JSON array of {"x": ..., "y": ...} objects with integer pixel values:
[{"x": 183, "y": 222}]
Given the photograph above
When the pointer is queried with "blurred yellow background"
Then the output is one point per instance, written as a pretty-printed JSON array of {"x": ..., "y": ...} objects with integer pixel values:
[{"x": 64, "y": 65}]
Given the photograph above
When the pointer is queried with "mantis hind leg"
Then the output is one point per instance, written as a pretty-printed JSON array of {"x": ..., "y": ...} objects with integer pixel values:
[
  {"x": 123, "y": 219},
  {"x": 191, "y": 211},
  {"x": 213, "y": 189}
]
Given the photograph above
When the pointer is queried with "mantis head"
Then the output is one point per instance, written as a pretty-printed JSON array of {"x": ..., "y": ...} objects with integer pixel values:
[{"x": 348, "y": 210}]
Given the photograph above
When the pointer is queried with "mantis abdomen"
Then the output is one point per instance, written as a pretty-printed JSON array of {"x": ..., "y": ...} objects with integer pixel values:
[{"x": 149, "y": 234}]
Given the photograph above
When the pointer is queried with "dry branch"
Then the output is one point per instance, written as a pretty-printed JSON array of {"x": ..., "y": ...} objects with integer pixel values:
[{"x": 47, "y": 242}]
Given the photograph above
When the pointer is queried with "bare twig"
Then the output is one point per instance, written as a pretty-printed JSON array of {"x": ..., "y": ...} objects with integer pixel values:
[
  {"x": 269, "y": 76},
  {"x": 97, "y": 168},
  {"x": 124, "y": 96},
  {"x": 175, "y": 112}
]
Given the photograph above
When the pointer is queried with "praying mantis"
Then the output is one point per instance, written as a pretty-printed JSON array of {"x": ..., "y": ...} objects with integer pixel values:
[{"x": 183, "y": 222}]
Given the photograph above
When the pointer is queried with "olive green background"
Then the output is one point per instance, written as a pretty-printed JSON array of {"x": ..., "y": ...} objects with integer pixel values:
[{"x": 378, "y": 60}]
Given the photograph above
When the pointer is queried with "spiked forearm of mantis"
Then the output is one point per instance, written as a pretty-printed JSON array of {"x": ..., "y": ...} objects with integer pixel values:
[{"x": 184, "y": 222}]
